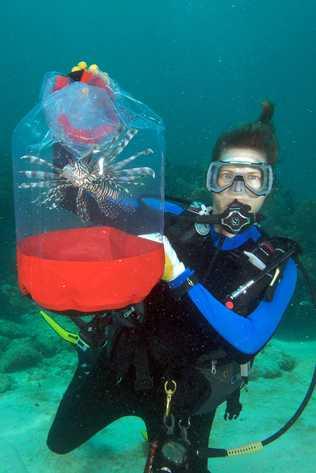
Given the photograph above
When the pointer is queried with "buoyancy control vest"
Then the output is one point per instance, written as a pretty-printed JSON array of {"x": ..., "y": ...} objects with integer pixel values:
[
  {"x": 181, "y": 338},
  {"x": 231, "y": 268}
]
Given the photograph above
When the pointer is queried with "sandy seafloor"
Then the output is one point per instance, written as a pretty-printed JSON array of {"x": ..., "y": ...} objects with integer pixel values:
[{"x": 27, "y": 410}]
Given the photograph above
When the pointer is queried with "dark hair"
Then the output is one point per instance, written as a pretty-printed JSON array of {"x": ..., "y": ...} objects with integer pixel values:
[{"x": 259, "y": 135}]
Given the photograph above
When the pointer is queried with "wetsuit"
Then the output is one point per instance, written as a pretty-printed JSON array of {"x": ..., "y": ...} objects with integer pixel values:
[{"x": 187, "y": 335}]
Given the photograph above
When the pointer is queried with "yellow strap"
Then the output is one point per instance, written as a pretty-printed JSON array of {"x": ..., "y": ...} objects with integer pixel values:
[
  {"x": 62, "y": 332},
  {"x": 253, "y": 447}
]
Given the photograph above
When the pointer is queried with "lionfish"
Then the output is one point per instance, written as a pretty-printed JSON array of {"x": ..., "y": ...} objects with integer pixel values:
[{"x": 97, "y": 174}]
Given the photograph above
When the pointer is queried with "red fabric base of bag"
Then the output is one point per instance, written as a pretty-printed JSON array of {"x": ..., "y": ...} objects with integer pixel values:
[{"x": 88, "y": 269}]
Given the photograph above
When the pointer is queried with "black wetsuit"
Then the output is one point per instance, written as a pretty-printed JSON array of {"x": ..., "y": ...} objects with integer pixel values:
[{"x": 171, "y": 343}]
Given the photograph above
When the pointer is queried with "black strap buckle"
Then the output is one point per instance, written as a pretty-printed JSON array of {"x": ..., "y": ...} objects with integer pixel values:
[{"x": 180, "y": 291}]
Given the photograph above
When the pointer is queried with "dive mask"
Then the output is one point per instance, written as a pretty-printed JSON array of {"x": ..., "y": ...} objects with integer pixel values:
[{"x": 240, "y": 176}]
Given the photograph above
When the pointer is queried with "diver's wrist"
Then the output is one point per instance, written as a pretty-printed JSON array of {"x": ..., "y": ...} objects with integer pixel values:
[{"x": 183, "y": 283}]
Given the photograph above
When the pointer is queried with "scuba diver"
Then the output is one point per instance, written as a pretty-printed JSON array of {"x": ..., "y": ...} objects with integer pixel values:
[{"x": 189, "y": 347}]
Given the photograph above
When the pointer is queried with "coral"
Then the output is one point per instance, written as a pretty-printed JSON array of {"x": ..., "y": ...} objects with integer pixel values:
[
  {"x": 19, "y": 356},
  {"x": 11, "y": 329},
  {"x": 5, "y": 383},
  {"x": 48, "y": 345},
  {"x": 44, "y": 339},
  {"x": 272, "y": 362},
  {"x": 13, "y": 303},
  {"x": 4, "y": 342}
]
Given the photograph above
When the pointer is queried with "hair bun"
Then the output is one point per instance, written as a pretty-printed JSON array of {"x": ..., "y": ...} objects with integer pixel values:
[{"x": 267, "y": 112}]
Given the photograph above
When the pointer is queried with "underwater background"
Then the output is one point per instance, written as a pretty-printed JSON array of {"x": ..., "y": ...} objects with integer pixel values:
[{"x": 204, "y": 66}]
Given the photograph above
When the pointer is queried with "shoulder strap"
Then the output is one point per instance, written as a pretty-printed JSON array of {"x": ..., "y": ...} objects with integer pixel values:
[{"x": 185, "y": 231}]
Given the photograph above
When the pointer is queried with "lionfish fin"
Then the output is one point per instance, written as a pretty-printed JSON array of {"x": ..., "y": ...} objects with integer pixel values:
[
  {"x": 134, "y": 174},
  {"x": 121, "y": 145},
  {"x": 40, "y": 175},
  {"x": 40, "y": 161}
]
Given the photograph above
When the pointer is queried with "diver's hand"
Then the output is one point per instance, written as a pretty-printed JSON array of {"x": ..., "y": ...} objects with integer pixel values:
[
  {"x": 81, "y": 66},
  {"x": 173, "y": 266},
  {"x": 233, "y": 407}
]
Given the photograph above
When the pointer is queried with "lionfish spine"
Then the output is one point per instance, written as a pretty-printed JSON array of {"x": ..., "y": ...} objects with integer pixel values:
[
  {"x": 121, "y": 164},
  {"x": 33, "y": 185},
  {"x": 40, "y": 174},
  {"x": 121, "y": 145},
  {"x": 40, "y": 161}
]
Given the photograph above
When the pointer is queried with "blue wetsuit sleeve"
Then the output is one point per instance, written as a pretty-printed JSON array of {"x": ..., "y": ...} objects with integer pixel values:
[
  {"x": 247, "y": 334},
  {"x": 167, "y": 207}
]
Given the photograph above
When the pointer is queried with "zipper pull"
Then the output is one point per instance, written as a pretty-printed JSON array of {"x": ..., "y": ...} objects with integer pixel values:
[{"x": 169, "y": 394}]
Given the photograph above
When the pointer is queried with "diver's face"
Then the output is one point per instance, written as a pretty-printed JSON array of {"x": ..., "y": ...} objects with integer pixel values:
[{"x": 221, "y": 200}]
